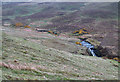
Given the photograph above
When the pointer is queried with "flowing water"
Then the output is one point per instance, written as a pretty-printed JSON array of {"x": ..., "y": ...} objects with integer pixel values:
[{"x": 90, "y": 47}]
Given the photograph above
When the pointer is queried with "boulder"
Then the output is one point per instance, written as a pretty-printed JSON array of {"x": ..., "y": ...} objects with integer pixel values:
[{"x": 83, "y": 51}]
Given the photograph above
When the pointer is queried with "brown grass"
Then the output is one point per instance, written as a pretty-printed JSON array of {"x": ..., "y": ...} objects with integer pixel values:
[{"x": 25, "y": 66}]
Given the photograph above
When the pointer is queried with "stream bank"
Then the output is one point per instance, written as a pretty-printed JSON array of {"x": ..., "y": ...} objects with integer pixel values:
[{"x": 98, "y": 50}]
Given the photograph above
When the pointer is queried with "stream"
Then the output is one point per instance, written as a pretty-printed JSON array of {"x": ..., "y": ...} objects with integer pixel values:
[{"x": 91, "y": 49}]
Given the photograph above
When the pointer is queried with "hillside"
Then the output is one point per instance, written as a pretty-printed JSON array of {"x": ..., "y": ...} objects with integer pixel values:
[
  {"x": 25, "y": 59},
  {"x": 28, "y": 54}
]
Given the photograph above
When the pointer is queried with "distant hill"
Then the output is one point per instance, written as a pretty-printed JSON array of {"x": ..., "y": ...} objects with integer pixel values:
[{"x": 36, "y": 11}]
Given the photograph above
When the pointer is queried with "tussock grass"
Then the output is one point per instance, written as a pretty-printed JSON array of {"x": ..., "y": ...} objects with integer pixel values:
[{"x": 23, "y": 59}]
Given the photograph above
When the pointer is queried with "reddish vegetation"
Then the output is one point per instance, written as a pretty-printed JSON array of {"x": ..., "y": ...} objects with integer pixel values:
[{"x": 24, "y": 66}]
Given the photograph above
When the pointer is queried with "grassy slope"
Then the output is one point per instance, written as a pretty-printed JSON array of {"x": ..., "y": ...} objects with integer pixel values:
[
  {"x": 51, "y": 63},
  {"x": 0, "y": 54},
  {"x": 48, "y": 63}
]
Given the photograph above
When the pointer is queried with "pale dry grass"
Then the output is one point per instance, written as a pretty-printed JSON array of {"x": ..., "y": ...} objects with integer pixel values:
[{"x": 24, "y": 66}]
